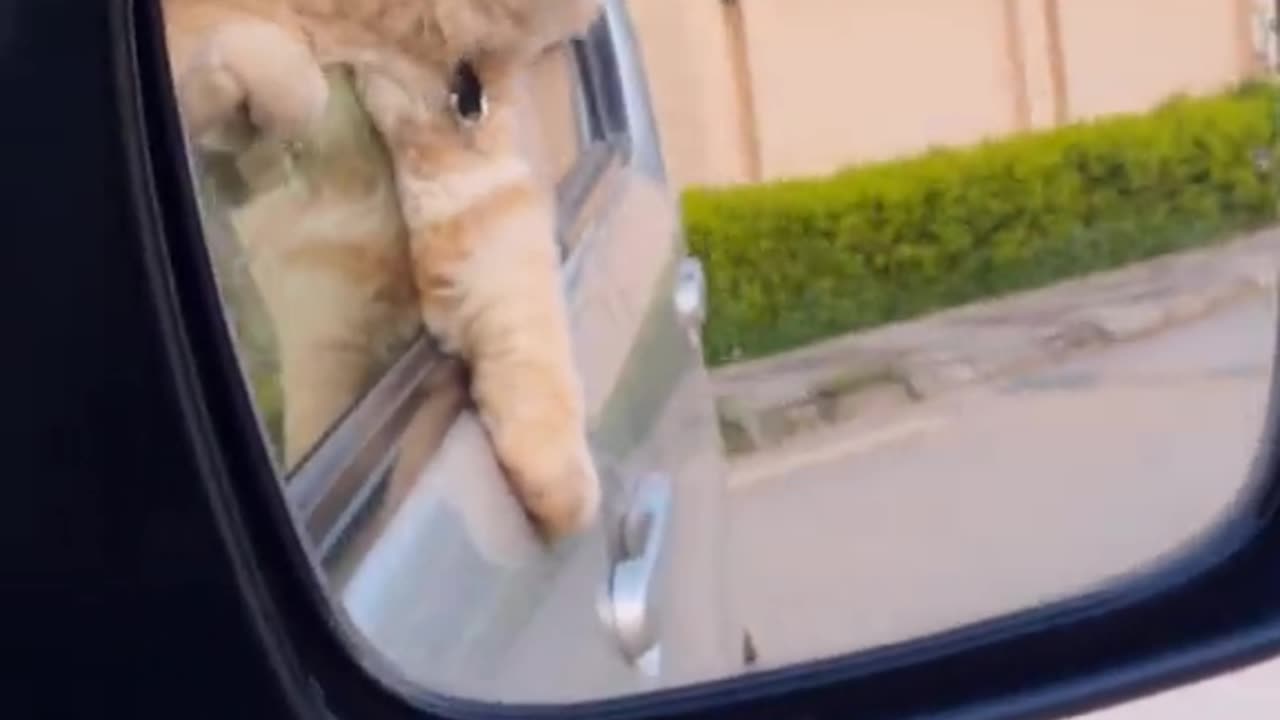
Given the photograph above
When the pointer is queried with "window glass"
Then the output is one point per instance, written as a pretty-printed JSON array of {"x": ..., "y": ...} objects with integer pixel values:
[{"x": 309, "y": 252}]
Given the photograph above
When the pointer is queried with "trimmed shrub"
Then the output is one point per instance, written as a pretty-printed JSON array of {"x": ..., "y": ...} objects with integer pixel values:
[{"x": 793, "y": 262}]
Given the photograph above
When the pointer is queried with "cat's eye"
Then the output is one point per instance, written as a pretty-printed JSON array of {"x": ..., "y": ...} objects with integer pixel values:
[{"x": 467, "y": 94}]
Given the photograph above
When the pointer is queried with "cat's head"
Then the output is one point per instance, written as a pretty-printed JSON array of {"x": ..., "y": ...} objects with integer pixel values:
[
  {"x": 511, "y": 30},
  {"x": 466, "y": 88},
  {"x": 490, "y": 44}
]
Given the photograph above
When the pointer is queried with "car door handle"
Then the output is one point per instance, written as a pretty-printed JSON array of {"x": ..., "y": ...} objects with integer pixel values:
[
  {"x": 691, "y": 294},
  {"x": 635, "y": 583}
]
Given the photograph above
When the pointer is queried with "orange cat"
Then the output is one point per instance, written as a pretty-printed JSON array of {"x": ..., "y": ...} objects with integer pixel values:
[{"x": 438, "y": 78}]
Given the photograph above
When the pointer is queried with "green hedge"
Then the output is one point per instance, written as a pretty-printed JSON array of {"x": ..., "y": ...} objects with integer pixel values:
[{"x": 793, "y": 262}]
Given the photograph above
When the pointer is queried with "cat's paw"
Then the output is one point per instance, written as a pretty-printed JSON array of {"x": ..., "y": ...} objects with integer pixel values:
[
  {"x": 257, "y": 67},
  {"x": 557, "y": 483},
  {"x": 386, "y": 100}
]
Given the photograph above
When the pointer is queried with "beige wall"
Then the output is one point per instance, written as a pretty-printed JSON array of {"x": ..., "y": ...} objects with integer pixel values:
[
  {"x": 764, "y": 89},
  {"x": 1112, "y": 64},
  {"x": 687, "y": 47},
  {"x": 844, "y": 81}
]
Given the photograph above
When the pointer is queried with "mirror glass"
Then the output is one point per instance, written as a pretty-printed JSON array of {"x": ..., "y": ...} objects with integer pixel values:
[{"x": 698, "y": 338}]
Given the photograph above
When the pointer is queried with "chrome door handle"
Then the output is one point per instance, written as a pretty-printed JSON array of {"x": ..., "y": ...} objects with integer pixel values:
[
  {"x": 691, "y": 293},
  {"x": 635, "y": 583}
]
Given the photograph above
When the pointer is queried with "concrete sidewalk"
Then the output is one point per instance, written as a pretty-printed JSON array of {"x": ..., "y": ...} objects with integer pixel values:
[
  {"x": 766, "y": 403},
  {"x": 1003, "y": 496}
]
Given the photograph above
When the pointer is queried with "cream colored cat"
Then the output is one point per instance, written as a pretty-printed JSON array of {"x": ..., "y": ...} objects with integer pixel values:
[{"x": 438, "y": 78}]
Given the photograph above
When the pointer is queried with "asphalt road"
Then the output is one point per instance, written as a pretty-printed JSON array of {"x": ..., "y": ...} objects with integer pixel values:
[{"x": 1004, "y": 497}]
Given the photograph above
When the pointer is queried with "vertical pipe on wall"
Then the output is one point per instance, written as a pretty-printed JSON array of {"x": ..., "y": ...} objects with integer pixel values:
[
  {"x": 748, "y": 123},
  {"x": 1017, "y": 55},
  {"x": 1057, "y": 62}
]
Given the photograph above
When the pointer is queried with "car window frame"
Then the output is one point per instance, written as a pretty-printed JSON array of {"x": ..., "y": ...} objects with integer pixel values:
[{"x": 583, "y": 190}]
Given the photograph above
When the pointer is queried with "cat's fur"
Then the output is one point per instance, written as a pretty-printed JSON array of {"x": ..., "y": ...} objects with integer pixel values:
[{"x": 481, "y": 231}]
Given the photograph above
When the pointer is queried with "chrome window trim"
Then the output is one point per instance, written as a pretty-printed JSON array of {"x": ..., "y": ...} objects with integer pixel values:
[
  {"x": 588, "y": 124},
  {"x": 343, "y": 471},
  {"x": 581, "y": 193}
]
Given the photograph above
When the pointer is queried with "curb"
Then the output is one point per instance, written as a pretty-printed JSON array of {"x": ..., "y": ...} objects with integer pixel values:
[{"x": 766, "y": 403}]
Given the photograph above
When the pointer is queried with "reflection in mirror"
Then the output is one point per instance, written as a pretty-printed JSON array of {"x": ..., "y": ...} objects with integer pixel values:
[{"x": 899, "y": 352}]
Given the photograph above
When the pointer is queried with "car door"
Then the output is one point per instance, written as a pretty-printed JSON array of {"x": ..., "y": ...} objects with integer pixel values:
[{"x": 427, "y": 555}]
